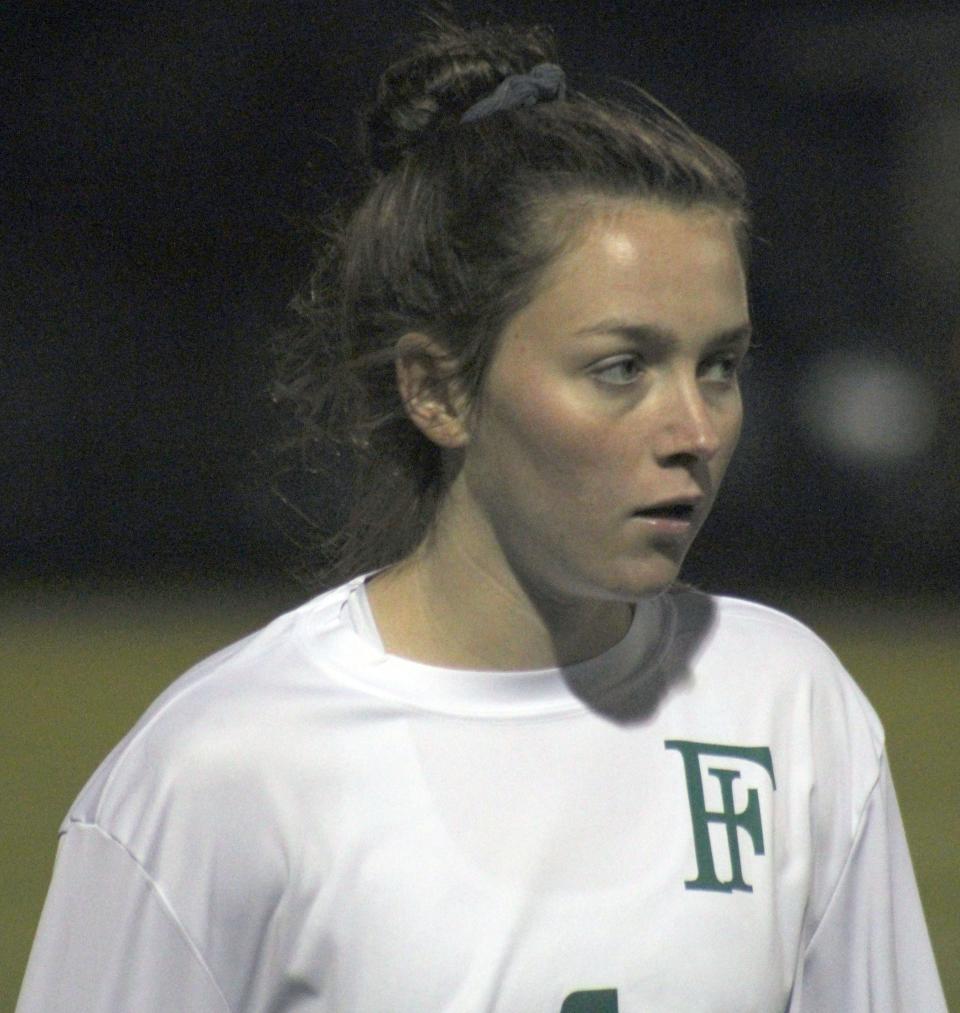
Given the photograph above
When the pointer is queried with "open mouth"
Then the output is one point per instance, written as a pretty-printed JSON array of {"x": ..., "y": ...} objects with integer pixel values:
[{"x": 669, "y": 512}]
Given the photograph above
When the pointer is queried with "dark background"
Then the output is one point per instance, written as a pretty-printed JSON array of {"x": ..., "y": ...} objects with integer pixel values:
[{"x": 160, "y": 160}]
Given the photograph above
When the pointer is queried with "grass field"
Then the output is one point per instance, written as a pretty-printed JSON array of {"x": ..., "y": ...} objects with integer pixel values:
[{"x": 76, "y": 671}]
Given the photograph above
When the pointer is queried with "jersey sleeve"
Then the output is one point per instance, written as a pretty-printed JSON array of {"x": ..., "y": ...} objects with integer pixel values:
[
  {"x": 871, "y": 952},
  {"x": 108, "y": 940}
]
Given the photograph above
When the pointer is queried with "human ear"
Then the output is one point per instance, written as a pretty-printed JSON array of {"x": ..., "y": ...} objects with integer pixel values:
[{"x": 426, "y": 378}]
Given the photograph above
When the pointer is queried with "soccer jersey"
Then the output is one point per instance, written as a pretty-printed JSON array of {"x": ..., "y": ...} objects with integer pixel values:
[{"x": 700, "y": 819}]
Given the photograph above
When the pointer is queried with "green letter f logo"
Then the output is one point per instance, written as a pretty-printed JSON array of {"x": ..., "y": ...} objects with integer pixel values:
[{"x": 747, "y": 819}]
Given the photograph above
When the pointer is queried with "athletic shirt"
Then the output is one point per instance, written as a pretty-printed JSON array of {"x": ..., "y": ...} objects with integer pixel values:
[{"x": 700, "y": 819}]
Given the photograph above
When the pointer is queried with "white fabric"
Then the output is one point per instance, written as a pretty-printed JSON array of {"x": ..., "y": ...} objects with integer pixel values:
[
  {"x": 305, "y": 823},
  {"x": 359, "y": 615}
]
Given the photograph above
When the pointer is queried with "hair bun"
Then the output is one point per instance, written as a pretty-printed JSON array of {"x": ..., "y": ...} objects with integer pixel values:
[{"x": 432, "y": 86}]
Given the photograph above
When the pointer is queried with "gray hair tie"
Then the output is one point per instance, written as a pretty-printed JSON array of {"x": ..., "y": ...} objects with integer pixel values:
[{"x": 543, "y": 83}]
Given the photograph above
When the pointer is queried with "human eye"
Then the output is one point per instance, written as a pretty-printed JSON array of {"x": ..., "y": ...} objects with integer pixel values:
[
  {"x": 723, "y": 368},
  {"x": 618, "y": 370}
]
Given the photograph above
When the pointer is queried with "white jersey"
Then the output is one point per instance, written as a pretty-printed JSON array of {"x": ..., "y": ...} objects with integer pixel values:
[{"x": 701, "y": 819}]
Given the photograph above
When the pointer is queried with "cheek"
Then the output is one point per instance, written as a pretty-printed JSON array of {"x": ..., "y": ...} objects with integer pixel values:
[
  {"x": 550, "y": 442},
  {"x": 554, "y": 436},
  {"x": 555, "y": 442},
  {"x": 732, "y": 427}
]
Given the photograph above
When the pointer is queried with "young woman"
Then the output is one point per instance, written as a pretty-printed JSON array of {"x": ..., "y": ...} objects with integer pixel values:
[{"x": 509, "y": 764}]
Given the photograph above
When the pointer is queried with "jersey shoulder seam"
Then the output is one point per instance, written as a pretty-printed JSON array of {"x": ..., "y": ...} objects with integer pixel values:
[
  {"x": 204, "y": 670},
  {"x": 756, "y": 612},
  {"x": 767, "y": 614},
  {"x": 851, "y": 848},
  {"x": 165, "y": 904}
]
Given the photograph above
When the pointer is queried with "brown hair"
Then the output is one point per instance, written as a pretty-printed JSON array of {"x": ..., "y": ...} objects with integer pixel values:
[{"x": 449, "y": 240}]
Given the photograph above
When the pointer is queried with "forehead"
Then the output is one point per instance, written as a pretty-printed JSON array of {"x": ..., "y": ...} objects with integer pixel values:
[
  {"x": 649, "y": 259},
  {"x": 649, "y": 229}
]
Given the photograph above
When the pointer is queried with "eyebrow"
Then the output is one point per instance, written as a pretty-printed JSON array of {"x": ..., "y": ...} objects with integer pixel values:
[{"x": 661, "y": 336}]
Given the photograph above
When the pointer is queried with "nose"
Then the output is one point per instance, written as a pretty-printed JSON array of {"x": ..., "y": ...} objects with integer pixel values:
[{"x": 690, "y": 429}]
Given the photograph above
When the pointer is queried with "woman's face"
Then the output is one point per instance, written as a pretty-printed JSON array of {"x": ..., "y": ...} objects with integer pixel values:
[{"x": 611, "y": 408}]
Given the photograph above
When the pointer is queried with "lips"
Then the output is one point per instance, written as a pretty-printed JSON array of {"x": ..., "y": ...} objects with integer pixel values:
[{"x": 680, "y": 509}]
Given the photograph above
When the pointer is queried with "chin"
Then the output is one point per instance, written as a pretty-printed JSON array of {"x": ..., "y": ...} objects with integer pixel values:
[{"x": 639, "y": 580}]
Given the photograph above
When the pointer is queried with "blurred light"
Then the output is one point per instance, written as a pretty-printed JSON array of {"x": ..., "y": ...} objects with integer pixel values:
[{"x": 868, "y": 410}]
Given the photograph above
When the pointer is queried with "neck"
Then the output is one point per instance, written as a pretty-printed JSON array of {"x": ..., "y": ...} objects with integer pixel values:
[{"x": 454, "y": 605}]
